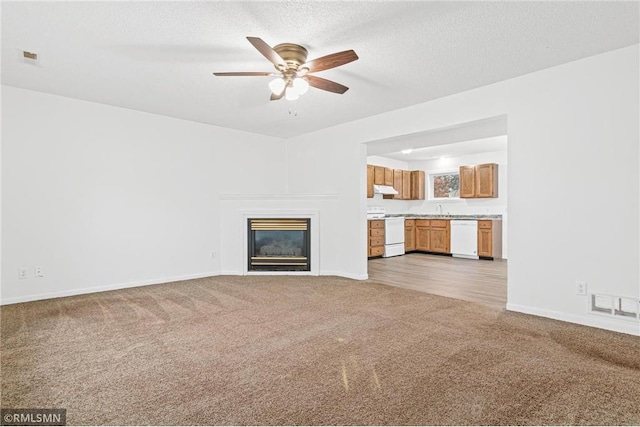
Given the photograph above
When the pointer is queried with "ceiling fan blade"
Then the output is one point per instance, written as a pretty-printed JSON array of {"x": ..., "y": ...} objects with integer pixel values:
[
  {"x": 330, "y": 61},
  {"x": 267, "y": 51},
  {"x": 247, "y": 73},
  {"x": 328, "y": 85},
  {"x": 275, "y": 97}
]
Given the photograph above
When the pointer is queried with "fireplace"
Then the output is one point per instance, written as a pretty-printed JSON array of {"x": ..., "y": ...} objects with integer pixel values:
[{"x": 279, "y": 244}]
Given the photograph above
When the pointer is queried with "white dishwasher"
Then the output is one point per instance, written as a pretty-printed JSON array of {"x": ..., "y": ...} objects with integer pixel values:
[
  {"x": 464, "y": 238},
  {"x": 393, "y": 236}
]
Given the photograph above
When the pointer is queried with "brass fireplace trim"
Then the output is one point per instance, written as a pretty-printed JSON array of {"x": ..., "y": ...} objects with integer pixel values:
[
  {"x": 279, "y": 224},
  {"x": 303, "y": 264},
  {"x": 281, "y": 260}
]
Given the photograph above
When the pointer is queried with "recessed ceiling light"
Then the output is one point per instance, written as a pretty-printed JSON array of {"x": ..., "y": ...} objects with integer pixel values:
[{"x": 407, "y": 151}]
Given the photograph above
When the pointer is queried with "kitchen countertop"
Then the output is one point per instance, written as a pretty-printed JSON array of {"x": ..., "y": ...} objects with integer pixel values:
[{"x": 427, "y": 216}]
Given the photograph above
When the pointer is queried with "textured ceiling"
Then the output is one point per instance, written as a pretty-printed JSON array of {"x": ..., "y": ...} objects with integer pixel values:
[{"x": 159, "y": 57}]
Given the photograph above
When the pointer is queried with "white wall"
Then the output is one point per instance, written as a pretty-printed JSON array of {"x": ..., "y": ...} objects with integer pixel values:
[
  {"x": 325, "y": 210},
  {"x": 104, "y": 197},
  {"x": 335, "y": 167},
  {"x": 573, "y": 176}
]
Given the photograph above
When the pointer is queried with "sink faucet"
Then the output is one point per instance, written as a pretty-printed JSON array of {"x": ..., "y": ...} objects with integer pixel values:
[{"x": 439, "y": 209}]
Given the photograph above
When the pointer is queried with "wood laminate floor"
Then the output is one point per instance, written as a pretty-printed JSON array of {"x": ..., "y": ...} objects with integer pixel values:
[{"x": 478, "y": 281}]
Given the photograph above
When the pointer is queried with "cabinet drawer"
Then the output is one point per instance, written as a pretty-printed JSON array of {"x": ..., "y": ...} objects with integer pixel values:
[
  {"x": 376, "y": 232},
  {"x": 376, "y": 241},
  {"x": 409, "y": 222},
  {"x": 376, "y": 251},
  {"x": 423, "y": 222},
  {"x": 484, "y": 224},
  {"x": 439, "y": 223},
  {"x": 376, "y": 224}
]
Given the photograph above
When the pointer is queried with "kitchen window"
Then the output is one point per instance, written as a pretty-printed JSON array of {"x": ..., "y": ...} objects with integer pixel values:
[{"x": 444, "y": 185}]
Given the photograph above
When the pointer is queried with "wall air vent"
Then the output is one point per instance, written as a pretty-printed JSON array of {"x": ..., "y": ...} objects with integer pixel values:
[
  {"x": 615, "y": 306},
  {"x": 30, "y": 55}
]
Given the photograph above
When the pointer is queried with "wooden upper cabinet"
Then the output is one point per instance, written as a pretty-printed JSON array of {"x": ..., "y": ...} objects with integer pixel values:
[
  {"x": 410, "y": 185},
  {"x": 378, "y": 175},
  {"x": 398, "y": 184},
  {"x": 487, "y": 180},
  {"x": 388, "y": 176},
  {"x": 479, "y": 181},
  {"x": 406, "y": 185},
  {"x": 417, "y": 185},
  {"x": 467, "y": 181}
]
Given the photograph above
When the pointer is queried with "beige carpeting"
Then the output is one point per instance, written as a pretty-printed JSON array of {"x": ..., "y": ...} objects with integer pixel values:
[{"x": 309, "y": 350}]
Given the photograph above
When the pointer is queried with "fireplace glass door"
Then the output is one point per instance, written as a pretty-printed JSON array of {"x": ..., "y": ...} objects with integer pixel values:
[{"x": 279, "y": 244}]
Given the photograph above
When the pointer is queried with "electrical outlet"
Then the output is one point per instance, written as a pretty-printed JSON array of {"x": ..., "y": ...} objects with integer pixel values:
[
  {"x": 38, "y": 271},
  {"x": 22, "y": 273},
  {"x": 581, "y": 287},
  {"x": 213, "y": 254}
]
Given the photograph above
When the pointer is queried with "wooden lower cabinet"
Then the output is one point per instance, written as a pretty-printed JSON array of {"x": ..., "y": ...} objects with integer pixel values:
[
  {"x": 490, "y": 238},
  {"x": 434, "y": 235},
  {"x": 440, "y": 236},
  {"x": 422, "y": 234},
  {"x": 431, "y": 235},
  {"x": 409, "y": 235},
  {"x": 375, "y": 237}
]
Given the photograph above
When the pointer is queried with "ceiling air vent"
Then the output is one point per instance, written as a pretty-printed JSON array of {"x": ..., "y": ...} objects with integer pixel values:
[{"x": 30, "y": 55}]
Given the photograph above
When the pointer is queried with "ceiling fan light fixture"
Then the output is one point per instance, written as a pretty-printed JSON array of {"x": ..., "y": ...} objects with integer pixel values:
[
  {"x": 300, "y": 85},
  {"x": 291, "y": 94},
  {"x": 277, "y": 86}
]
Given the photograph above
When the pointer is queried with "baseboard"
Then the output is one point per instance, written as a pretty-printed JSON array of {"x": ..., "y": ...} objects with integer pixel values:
[
  {"x": 343, "y": 274},
  {"x": 112, "y": 287},
  {"x": 622, "y": 326},
  {"x": 306, "y": 273}
]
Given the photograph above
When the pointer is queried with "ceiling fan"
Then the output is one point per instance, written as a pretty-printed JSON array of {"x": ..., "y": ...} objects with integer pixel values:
[{"x": 293, "y": 76}]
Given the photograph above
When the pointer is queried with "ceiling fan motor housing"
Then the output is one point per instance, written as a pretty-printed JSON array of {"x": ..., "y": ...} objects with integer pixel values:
[{"x": 293, "y": 54}]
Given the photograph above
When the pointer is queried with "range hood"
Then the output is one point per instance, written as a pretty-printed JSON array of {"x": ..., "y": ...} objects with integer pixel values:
[{"x": 384, "y": 189}]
